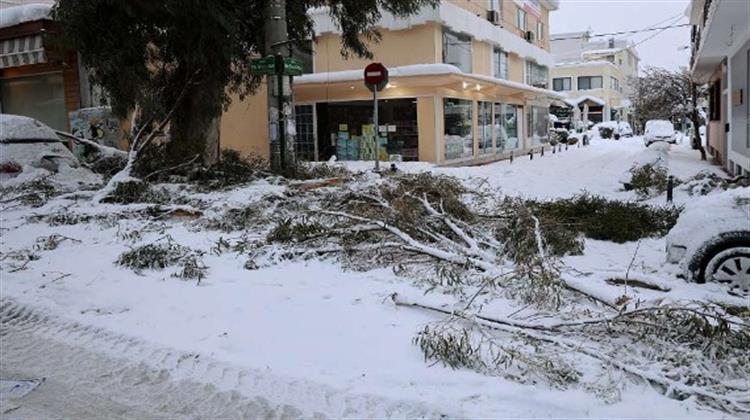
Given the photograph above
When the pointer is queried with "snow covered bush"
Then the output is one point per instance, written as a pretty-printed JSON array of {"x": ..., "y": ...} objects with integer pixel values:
[
  {"x": 162, "y": 254},
  {"x": 605, "y": 132},
  {"x": 648, "y": 180}
]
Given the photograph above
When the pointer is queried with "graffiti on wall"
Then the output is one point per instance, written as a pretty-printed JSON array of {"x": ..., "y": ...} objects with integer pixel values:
[{"x": 96, "y": 124}]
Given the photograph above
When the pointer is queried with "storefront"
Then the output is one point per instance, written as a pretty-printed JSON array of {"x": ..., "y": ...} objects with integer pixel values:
[{"x": 345, "y": 129}]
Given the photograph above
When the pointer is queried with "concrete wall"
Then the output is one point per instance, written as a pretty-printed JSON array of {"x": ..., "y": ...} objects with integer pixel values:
[
  {"x": 418, "y": 45},
  {"x": 244, "y": 125},
  {"x": 739, "y": 148}
]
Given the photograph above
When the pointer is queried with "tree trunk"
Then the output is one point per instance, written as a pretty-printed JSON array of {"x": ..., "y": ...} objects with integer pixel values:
[
  {"x": 195, "y": 127},
  {"x": 697, "y": 140}
]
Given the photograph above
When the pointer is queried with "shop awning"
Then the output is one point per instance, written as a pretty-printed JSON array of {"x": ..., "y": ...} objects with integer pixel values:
[{"x": 22, "y": 51}]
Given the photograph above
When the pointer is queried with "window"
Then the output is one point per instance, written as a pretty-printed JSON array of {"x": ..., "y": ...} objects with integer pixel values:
[
  {"x": 304, "y": 143},
  {"x": 506, "y": 127},
  {"x": 521, "y": 19},
  {"x": 496, "y": 5},
  {"x": 457, "y": 50},
  {"x": 484, "y": 121},
  {"x": 561, "y": 83},
  {"x": 459, "y": 141},
  {"x": 536, "y": 75},
  {"x": 500, "y": 61},
  {"x": 41, "y": 97},
  {"x": 537, "y": 126},
  {"x": 614, "y": 83},
  {"x": 540, "y": 30},
  {"x": 589, "y": 82}
]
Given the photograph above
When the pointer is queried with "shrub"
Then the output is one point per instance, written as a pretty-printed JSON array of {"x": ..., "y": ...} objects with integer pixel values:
[
  {"x": 605, "y": 132},
  {"x": 289, "y": 231},
  {"x": 648, "y": 180},
  {"x": 608, "y": 220}
]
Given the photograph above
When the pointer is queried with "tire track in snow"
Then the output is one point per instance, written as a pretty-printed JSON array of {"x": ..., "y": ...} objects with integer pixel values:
[{"x": 167, "y": 382}]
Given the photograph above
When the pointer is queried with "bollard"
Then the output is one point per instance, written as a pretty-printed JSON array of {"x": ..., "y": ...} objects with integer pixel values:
[
  {"x": 566, "y": 146},
  {"x": 531, "y": 154},
  {"x": 670, "y": 188},
  {"x": 559, "y": 147},
  {"x": 553, "y": 149},
  {"x": 511, "y": 156},
  {"x": 542, "y": 153}
]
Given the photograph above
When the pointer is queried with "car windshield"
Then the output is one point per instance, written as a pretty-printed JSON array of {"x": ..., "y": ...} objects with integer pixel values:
[{"x": 659, "y": 127}]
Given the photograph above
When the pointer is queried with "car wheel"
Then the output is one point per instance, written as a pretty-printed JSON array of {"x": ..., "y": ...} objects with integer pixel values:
[{"x": 728, "y": 263}]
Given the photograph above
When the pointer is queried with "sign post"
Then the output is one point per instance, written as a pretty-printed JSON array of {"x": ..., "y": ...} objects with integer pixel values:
[{"x": 376, "y": 77}]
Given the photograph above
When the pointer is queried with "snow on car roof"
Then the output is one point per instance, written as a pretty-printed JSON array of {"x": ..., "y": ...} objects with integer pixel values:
[
  {"x": 711, "y": 215},
  {"x": 20, "y": 128}
]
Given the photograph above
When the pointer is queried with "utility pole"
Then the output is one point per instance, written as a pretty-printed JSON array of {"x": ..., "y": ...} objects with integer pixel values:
[{"x": 281, "y": 124}]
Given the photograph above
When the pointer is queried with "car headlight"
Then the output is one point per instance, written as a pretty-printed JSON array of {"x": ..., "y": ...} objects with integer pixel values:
[{"x": 675, "y": 253}]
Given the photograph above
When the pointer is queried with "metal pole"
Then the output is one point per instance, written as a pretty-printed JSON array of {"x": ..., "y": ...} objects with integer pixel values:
[{"x": 377, "y": 128}]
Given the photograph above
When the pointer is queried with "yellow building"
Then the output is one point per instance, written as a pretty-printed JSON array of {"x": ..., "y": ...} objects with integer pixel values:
[
  {"x": 469, "y": 83},
  {"x": 594, "y": 73}
]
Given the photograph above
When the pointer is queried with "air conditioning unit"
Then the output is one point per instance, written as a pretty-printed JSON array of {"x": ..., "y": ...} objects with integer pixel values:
[
  {"x": 494, "y": 17},
  {"x": 529, "y": 36}
]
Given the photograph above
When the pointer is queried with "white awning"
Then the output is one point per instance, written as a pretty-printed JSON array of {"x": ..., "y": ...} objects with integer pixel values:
[{"x": 22, "y": 51}]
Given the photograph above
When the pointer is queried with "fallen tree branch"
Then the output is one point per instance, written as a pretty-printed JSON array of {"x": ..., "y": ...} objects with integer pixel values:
[
  {"x": 173, "y": 168},
  {"x": 104, "y": 150}
]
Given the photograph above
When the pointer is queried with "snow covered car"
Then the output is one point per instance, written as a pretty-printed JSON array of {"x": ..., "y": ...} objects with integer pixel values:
[
  {"x": 27, "y": 143},
  {"x": 625, "y": 129},
  {"x": 711, "y": 241},
  {"x": 659, "y": 130}
]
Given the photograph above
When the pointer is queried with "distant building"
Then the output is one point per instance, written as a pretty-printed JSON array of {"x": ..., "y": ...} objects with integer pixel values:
[
  {"x": 720, "y": 57},
  {"x": 469, "y": 82},
  {"x": 596, "y": 73}
]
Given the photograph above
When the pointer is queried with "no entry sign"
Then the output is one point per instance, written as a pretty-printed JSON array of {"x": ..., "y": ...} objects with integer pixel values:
[{"x": 376, "y": 77}]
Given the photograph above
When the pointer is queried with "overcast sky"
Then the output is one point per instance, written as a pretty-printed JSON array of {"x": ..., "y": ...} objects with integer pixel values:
[{"x": 603, "y": 16}]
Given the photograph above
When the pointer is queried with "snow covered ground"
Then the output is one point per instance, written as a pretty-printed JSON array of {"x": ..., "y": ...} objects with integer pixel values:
[{"x": 317, "y": 332}]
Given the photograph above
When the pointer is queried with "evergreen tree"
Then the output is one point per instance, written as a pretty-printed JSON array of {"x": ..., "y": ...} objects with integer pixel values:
[{"x": 151, "y": 53}]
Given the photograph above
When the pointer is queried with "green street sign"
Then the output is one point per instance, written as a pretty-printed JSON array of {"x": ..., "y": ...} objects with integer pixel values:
[
  {"x": 269, "y": 65},
  {"x": 292, "y": 66},
  {"x": 263, "y": 66}
]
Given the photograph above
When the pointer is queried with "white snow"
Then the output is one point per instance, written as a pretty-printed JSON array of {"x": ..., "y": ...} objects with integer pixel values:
[
  {"x": 17, "y": 15},
  {"x": 659, "y": 128},
  {"x": 419, "y": 70},
  {"x": 17, "y": 127},
  {"x": 578, "y": 100},
  {"x": 315, "y": 322}
]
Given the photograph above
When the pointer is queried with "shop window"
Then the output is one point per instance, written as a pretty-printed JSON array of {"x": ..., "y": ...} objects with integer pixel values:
[
  {"x": 537, "y": 126},
  {"x": 561, "y": 83},
  {"x": 457, "y": 50},
  {"x": 589, "y": 82},
  {"x": 304, "y": 144},
  {"x": 506, "y": 127},
  {"x": 484, "y": 121},
  {"x": 40, "y": 97},
  {"x": 459, "y": 140},
  {"x": 500, "y": 61}
]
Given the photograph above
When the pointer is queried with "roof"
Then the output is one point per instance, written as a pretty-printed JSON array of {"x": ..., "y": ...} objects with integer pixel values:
[
  {"x": 17, "y": 15},
  {"x": 576, "y": 101}
]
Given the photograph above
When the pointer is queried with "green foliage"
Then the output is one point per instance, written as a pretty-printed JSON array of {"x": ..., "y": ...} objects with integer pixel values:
[
  {"x": 648, "y": 180},
  {"x": 605, "y": 132},
  {"x": 289, "y": 231},
  {"x": 160, "y": 255},
  {"x": 443, "y": 192},
  {"x": 306, "y": 171},
  {"x": 129, "y": 192},
  {"x": 33, "y": 193},
  {"x": 236, "y": 219},
  {"x": 231, "y": 170},
  {"x": 599, "y": 218}
]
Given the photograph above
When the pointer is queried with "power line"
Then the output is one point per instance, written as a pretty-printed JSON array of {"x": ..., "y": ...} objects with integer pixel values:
[
  {"x": 622, "y": 32},
  {"x": 648, "y": 37}
]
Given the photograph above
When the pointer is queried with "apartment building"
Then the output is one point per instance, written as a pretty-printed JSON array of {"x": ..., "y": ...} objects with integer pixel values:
[
  {"x": 720, "y": 41},
  {"x": 469, "y": 82},
  {"x": 594, "y": 73}
]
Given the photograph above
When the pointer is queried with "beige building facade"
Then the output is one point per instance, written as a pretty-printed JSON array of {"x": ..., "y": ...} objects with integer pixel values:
[
  {"x": 594, "y": 73},
  {"x": 469, "y": 83}
]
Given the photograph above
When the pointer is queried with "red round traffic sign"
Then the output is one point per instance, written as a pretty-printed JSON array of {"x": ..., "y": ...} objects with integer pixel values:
[{"x": 376, "y": 76}]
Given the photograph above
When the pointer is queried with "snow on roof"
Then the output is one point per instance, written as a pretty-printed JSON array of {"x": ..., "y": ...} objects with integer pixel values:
[
  {"x": 17, "y": 127},
  {"x": 17, "y": 15},
  {"x": 592, "y": 63},
  {"x": 603, "y": 51},
  {"x": 452, "y": 16},
  {"x": 583, "y": 98},
  {"x": 418, "y": 70}
]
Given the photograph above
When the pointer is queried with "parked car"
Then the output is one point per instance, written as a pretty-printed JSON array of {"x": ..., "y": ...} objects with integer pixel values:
[
  {"x": 625, "y": 129},
  {"x": 659, "y": 130},
  {"x": 26, "y": 142},
  {"x": 711, "y": 241}
]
